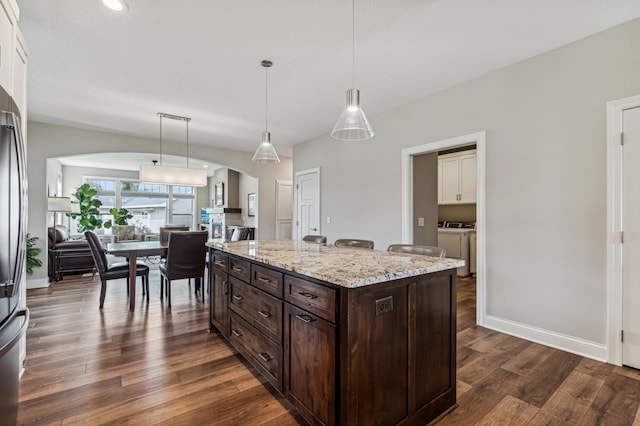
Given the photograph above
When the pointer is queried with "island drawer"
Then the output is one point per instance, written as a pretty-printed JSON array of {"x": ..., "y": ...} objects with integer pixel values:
[
  {"x": 267, "y": 279},
  {"x": 219, "y": 261},
  {"x": 240, "y": 268},
  {"x": 260, "y": 309},
  {"x": 257, "y": 348},
  {"x": 315, "y": 298}
]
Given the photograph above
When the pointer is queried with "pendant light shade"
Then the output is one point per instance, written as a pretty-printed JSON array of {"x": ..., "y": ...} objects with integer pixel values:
[
  {"x": 352, "y": 125},
  {"x": 164, "y": 175},
  {"x": 266, "y": 153}
]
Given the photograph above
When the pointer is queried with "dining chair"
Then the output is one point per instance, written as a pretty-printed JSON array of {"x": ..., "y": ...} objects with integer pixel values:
[
  {"x": 115, "y": 270},
  {"x": 164, "y": 231},
  {"x": 318, "y": 239},
  {"x": 368, "y": 244},
  {"x": 418, "y": 249},
  {"x": 186, "y": 254}
]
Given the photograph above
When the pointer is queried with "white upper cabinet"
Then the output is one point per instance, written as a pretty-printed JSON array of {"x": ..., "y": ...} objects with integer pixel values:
[
  {"x": 13, "y": 55},
  {"x": 7, "y": 23},
  {"x": 19, "y": 78},
  {"x": 457, "y": 175}
]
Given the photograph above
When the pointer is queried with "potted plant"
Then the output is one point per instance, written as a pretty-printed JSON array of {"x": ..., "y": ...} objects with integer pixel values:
[
  {"x": 120, "y": 224},
  {"x": 89, "y": 217},
  {"x": 32, "y": 254}
]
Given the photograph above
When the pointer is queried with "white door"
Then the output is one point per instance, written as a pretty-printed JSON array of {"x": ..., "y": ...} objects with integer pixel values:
[
  {"x": 284, "y": 209},
  {"x": 631, "y": 245},
  {"x": 307, "y": 203}
]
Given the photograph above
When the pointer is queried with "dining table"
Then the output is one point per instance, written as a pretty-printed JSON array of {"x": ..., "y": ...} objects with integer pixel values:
[{"x": 132, "y": 250}]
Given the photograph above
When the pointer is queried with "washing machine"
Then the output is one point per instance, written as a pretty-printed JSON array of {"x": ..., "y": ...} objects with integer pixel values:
[{"x": 456, "y": 242}]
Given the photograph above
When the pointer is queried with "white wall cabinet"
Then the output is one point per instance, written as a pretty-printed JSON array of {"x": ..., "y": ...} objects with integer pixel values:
[
  {"x": 7, "y": 23},
  {"x": 457, "y": 178}
]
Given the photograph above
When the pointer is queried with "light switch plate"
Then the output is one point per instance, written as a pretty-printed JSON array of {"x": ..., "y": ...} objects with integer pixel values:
[{"x": 421, "y": 221}]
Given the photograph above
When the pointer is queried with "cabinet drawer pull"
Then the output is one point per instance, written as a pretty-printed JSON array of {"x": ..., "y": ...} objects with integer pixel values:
[
  {"x": 225, "y": 287},
  {"x": 307, "y": 295},
  {"x": 235, "y": 296},
  {"x": 265, "y": 356},
  {"x": 264, "y": 314},
  {"x": 305, "y": 318},
  {"x": 264, "y": 280},
  {"x": 235, "y": 268},
  {"x": 237, "y": 333},
  {"x": 218, "y": 262}
]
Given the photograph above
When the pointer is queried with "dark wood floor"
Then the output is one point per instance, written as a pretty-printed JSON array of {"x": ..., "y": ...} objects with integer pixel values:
[{"x": 160, "y": 366}]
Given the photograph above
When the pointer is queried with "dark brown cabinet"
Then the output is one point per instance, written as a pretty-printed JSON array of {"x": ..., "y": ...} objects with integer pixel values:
[
  {"x": 219, "y": 292},
  {"x": 310, "y": 351},
  {"x": 382, "y": 354}
]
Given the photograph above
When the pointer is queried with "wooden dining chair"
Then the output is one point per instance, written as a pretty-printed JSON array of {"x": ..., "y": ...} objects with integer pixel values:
[
  {"x": 186, "y": 258},
  {"x": 368, "y": 244},
  {"x": 417, "y": 249},
  {"x": 115, "y": 270}
]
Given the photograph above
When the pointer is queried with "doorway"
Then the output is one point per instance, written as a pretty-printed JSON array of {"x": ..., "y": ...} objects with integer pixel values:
[
  {"x": 623, "y": 232},
  {"x": 407, "y": 203},
  {"x": 307, "y": 203}
]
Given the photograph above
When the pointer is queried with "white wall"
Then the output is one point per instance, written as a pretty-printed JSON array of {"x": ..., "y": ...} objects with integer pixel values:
[
  {"x": 46, "y": 141},
  {"x": 545, "y": 179}
]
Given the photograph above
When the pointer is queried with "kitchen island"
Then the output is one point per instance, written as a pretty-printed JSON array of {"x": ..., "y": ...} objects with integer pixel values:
[{"x": 349, "y": 336}]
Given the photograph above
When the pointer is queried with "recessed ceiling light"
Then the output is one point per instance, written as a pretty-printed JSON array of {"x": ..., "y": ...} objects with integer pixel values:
[{"x": 117, "y": 5}]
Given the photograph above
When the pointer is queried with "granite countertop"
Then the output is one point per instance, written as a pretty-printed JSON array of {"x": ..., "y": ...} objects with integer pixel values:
[{"x": 347, "y": 267}]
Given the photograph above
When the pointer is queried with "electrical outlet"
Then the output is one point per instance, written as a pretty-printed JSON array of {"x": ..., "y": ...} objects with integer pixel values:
[
  {"x": 421, "y": 221},
  {"x": 384, "y": 305},
  {"x": 328, "y": 219}
]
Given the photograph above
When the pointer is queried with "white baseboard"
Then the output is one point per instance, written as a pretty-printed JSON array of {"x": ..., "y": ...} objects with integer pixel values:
[
  {"x": 585, "y": 348},
  {"x": 38, "y": 283}
]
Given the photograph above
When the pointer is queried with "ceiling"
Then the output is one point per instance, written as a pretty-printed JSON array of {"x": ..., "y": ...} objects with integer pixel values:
[{"x": 93, "y": 68}]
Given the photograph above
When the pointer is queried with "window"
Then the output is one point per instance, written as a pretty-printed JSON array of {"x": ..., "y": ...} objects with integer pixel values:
[{"x": 151, "y": 205}]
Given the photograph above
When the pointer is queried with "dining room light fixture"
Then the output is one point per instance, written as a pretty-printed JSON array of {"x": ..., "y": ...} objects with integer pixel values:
[
  {"x": 352, "y": 125},
  {"x": 164, "y": 175},
  {"x": 266, "y": 153},
  {"x": 116, "y": 5}
]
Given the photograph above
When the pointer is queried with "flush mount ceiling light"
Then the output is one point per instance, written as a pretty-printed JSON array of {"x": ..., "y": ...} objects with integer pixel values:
[
  {"x": 152, "y": 173},
  {"x": 352, "y": 125},
  {"x": 266, "y": 153},
  {"x": 116, "y": 5}
]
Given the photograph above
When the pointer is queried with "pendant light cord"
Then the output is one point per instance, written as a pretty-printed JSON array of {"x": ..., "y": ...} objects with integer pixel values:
[
  {"x": 353, "y": 44},
  {"x": 187, "y": 143},
  {"x": 266, "y": 97},
  {"x": 160, "y": 115}
]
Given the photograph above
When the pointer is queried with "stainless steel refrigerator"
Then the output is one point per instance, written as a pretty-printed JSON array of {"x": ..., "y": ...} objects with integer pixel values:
[{"x": 13, "y": 319}]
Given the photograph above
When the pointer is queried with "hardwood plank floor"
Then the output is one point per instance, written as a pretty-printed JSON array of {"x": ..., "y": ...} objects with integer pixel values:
[{"x": 161, "y": 366}]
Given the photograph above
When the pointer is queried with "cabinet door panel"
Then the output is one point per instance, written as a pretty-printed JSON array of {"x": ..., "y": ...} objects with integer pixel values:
[
  {"x": 219, "y": 302},
  {"x": 468, "y": 178},
  {"x": 435, "y": 338},
  {"x": 450, "y": 168},
  {"x": 310, "y": 364}
]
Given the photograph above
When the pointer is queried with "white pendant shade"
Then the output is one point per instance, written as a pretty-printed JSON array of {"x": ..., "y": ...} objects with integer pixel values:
[
  {"x": 164, "y": 175},
  {"x": 266, "y": 153},
  {"x": 352, "y": 125}
]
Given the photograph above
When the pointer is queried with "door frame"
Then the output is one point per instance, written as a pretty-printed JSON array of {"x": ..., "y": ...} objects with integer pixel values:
[
  {"x": 479, "y": 139},
  {"x": 296, "y": 234},
  {"x": 614, "y": 226}
]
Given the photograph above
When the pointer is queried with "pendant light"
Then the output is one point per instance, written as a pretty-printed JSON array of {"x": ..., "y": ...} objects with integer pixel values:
[
  {"x": 152, "y": 173},
  {"x": 352, "y": 125},
  {"x": 266, "y": 153}
]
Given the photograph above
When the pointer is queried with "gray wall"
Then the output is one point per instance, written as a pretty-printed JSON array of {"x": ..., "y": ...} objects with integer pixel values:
[
  {"x": 47, "y": 141},
  {"x": 425, "y": 199},
  {"x": 545, "y": 176}
]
